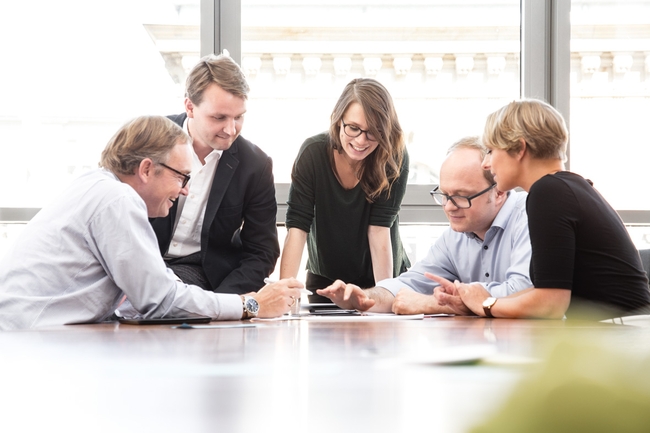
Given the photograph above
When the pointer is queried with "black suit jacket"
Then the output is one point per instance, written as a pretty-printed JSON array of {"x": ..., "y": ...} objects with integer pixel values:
[{"x": 242, "y": 197}]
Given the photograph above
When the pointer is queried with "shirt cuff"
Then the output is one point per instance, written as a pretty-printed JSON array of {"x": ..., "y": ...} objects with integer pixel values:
[
  {"x": 393, "y": 285},
  {"x": 231, "y": 307}
]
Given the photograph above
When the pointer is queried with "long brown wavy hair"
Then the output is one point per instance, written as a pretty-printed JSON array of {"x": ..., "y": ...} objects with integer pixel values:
[{"x": 381, "y": 168}]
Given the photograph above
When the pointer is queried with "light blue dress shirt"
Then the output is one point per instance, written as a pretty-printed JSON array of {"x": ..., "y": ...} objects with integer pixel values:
[
  {"x": 79, "y": 256},
  {"x": 501, "y": 262}
]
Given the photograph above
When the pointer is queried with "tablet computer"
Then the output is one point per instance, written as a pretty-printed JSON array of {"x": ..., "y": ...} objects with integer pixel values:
[
  {"x": 332, "y": 312},
  {"x": 166, "y": 320},
  {"x": 322, "y": 306}
]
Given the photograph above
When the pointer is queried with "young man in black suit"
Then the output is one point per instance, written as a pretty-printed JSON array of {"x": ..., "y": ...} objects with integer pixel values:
[{"x": 223, "y": 235}]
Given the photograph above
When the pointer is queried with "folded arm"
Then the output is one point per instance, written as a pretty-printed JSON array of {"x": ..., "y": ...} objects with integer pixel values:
[{"x": 533, "y": 303}]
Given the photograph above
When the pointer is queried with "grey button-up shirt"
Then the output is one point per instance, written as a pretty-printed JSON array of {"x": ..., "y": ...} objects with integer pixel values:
[{"x": 501, "y": 262}]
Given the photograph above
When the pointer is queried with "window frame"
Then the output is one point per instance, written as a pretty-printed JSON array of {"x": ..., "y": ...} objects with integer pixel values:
[{"x": 545, "y": 73}]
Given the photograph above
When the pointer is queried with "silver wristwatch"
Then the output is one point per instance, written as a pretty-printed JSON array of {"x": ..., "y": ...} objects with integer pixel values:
[{"x": 250, "y": 306}]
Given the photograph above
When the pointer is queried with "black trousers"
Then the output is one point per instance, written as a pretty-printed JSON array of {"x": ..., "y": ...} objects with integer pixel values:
[{"x": 190, "y": 270}]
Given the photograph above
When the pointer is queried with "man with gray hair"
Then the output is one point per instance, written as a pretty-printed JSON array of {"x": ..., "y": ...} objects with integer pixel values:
[
  {"x": 79, "y": 257},
  {"x": 487, "y": 244}
]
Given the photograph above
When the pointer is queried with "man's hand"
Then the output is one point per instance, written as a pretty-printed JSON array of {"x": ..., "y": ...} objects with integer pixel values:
[
  {"x": 473, "y": 296},
  {"x": 347, "y": 296},
  {"x": 465, "y": 298},
  {"x": 447, "y": 295},
  {"x": 277, "y": 298},
  {"x": 409, "y": 302}
]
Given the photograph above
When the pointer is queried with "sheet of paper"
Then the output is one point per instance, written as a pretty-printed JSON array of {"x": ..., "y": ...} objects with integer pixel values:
[
  {"x": 275, "y": 319},
  {"x": 365, "y": 317}
]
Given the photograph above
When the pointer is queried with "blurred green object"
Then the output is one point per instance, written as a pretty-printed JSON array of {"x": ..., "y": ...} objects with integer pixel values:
[{"x": 580, "y": 388}]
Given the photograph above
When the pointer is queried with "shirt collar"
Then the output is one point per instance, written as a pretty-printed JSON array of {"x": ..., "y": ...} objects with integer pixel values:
[
  {"x": 109, "y": 173},
  {"x": 503, "y": 216}
]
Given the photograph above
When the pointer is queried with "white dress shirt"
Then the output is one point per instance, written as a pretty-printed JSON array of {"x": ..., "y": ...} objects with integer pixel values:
[
  {"x": 79, "y": 256},
  {"x": 186, "y": 239}
]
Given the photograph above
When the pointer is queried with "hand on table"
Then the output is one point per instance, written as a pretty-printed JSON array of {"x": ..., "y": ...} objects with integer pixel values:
[
  {"x": 447, "y": 294},
  {"x": 275, "y": 299},
  {"x": 347, "y": 296}
]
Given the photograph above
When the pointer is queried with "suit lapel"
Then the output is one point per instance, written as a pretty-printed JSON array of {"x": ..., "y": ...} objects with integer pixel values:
[{"x": 225, "y": 171}]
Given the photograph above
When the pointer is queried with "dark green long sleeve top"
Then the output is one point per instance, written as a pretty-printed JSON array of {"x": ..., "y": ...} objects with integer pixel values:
[{"x": 337, "y": 219}]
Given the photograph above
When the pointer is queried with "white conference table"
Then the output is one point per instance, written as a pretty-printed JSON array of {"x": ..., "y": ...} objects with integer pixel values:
[{"x": 286, "y": 376}]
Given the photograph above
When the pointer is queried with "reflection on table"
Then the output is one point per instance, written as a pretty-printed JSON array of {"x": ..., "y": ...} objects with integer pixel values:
[{"x": 297, "y": 375}]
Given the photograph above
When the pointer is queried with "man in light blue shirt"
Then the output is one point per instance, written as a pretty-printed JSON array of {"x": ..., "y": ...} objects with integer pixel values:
[
  {"x": 487, "y": 243},
  {"x": 92, "y": 247}
]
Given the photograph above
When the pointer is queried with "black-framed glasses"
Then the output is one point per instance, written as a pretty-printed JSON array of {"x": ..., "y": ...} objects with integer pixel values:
[
  {"x": 460, "y": 201},
  {"x": 186, "y": 177},
  {"x": 354, "y": 131}
]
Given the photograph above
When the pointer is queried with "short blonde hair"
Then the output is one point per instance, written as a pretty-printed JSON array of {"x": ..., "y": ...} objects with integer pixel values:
[
  {"x": 220, "y": 70},
  {"x": 540, "y": 125},
  {"x": 150, "y": 137}
]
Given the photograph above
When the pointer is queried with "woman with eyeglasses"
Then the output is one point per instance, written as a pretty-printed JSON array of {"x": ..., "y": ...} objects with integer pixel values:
[
  {"x": 583, "y": 261},
  {"x": 347, "y": 186}
]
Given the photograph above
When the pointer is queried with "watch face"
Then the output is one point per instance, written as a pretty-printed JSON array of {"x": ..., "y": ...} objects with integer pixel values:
[
  {"x": 489, "y": 302},
  {"x": 252, "y": 306}
]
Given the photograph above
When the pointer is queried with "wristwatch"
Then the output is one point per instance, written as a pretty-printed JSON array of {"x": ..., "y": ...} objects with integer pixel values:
[
  {"x": 487, "y": 306},
  {"x": 250, "y": 306}
]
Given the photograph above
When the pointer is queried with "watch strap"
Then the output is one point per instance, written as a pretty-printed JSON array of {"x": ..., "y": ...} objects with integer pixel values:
[{"x": 246, "y": 314}]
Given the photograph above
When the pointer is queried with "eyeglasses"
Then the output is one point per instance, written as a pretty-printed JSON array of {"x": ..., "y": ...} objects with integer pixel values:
[
  {"x": 460, "y": 201},
  {"x": 186, "y": 177},
  {"x": 354, "y": 132}
]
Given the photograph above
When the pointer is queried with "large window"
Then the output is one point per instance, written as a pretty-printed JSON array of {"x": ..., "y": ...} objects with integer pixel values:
[
  {"x": 610, "y": 98},
  {"x": 446, "y": 63},
  {"x": 73, "y": 72}
]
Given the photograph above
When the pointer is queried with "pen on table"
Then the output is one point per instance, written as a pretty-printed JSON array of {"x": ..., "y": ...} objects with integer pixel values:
[{"x": 303, "y": 291}]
